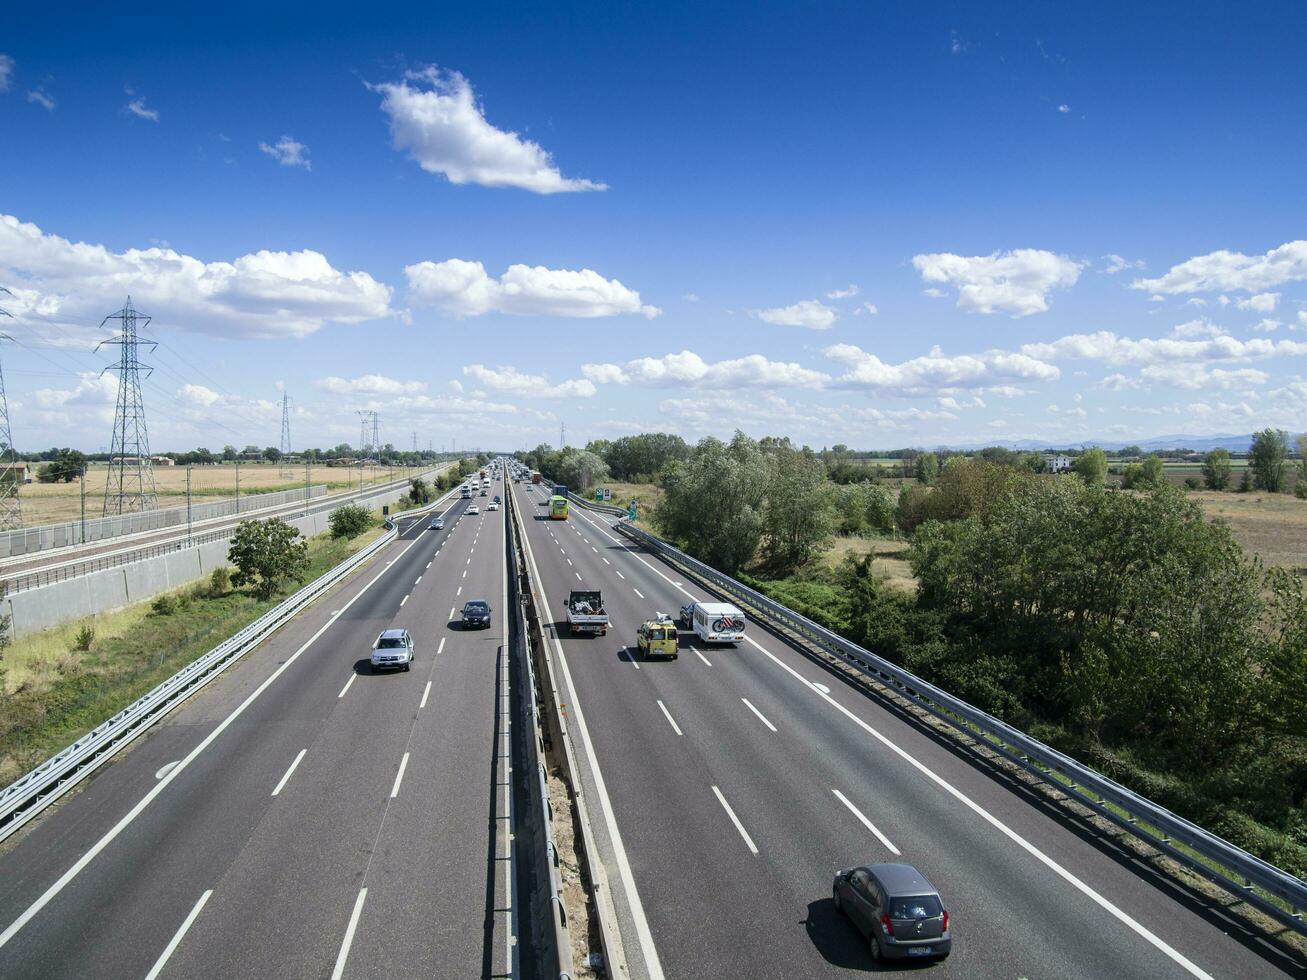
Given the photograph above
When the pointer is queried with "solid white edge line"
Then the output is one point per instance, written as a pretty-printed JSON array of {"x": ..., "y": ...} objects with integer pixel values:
[
  {"x": 399, "y": 776},
  {"x": 735, "y": 820},
  {"x": 159, "y": 787},
  {"x": 1116, "y": 912},
  {"x": 761, "y": 717},
  {"x": 346, "y": 687},
  {"x": 289, "y": 772},
  {"x": 343, "y": 955},
  {"x": 867, "y": 823},
  {"x": 177, "y": 938},
  {"x": 670, "y": 720},
  {"x": 426, "y": 693},
  {"x": 653, "y": 965}
]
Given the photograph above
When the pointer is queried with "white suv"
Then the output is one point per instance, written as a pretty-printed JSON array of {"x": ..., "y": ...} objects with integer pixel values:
[{"x": 393, "y": 650}]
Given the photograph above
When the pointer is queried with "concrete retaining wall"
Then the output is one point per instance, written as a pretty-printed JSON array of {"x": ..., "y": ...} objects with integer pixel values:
[{"x": 76, "y": 598}]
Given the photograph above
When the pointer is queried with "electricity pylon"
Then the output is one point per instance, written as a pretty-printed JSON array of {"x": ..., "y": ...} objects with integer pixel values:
[
  {"x": 129, "y": 486},
  {"x": 11, "y": 515},
  {"x": 285, "y": 435}
]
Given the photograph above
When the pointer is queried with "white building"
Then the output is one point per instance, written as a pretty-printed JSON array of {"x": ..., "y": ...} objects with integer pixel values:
[{"x": 1056, "y": 463}]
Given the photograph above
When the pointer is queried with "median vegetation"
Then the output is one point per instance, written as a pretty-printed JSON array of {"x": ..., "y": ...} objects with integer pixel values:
[
  {"x": 1118, "y": 624},
  {"x": 59, "y": 684}
]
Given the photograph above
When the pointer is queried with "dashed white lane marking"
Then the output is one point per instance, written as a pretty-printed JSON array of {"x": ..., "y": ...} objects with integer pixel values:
[
  {"x": 289, "y": 772},
  {"x": 426, "y": 693},
  {"x": 177, "y": 939},
  {"x": 343, "y": 955},
  {"x": 403, "y": 600},
  {"x": 347, "y": 684},
  {"x": 761, "y": 717},
  {"x": 459, "y": 592},
  {"x": 605, "y": 560},
  {"x": 465, "y": 573},
  {"x": 441, "y": 649},
  {"x": 451, "y": 614},
  {"x": 637, "y": 592},
  {"x": 578, "y": 577},
  {"x": 735, "y": 820},
  {"x": 594, "y": 549},
  {"x": 866, "y": 823},
  {"x": 620, "y": 575},
  {"x": 701, "y": 656},
  {"x": 417, "y": 580},
  {"x": 670, "y": 720},
  {"x": 569, "y": 561},
  {"x": 399, "y": 776}
]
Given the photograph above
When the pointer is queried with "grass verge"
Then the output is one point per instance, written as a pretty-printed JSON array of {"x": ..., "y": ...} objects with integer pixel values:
[{"x": 52, "y": 693}]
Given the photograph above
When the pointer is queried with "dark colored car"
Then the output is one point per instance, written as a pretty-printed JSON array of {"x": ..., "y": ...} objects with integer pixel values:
[
  {"x": 476, "y": 614},
  {"x": 897, "y": 909}
]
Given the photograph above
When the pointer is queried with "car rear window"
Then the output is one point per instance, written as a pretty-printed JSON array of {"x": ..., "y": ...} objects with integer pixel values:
[
  {"x": 475, "y": 607},
  {"x": 390, "y": 643},
  {"x": 917, "y": 907}
]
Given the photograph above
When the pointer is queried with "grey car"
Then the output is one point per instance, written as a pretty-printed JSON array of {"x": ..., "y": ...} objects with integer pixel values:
[{"x": 897, "y": 909}]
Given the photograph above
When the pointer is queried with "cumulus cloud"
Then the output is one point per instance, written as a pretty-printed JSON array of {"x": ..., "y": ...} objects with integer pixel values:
[
  {"x": 1267, "y": 325},
  {"x": 138, "y": 108},
  {"x": 6, "y": 72},
  {"x": 867, "y": 308},
  {"x": 1016, "y": 282},
  {"x": 92, "y": 390},
  {"x": 42, "y": 98},
  {"x": 435, "y": 118},
  {"x": 198, "y": 395},
  {"x": 465, "y": 289},
  {"x": 513, "y": 382},
  {"x": 926, "y": 376},
  {"x": 847, "y": 292},
  {"x": 1193, "y": 377},
  {"x": 1196, "y": 328},
  {"x": 808, "y": 313},
  {"x": 289, "y": 152},
  {"x": 369, "y": 384},
  {"x": 262, "y": 294},
  {"x": 1260, "y": 303},
  {"x": 1064, "y": 108},
  {"x": 1232, "y": 271},
  {"x": 688, "y": 368},
  {"x": 1108, "y": 347},
  {"x": 1114, "y": 263}
]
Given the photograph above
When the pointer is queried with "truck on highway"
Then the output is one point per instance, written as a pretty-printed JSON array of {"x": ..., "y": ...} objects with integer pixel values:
[
  {"x": 466, "y": 492},
  {"x": 713, "y": 622},
  {"x": 585, "y": 613},
  {"x": 535, "y": 477}
]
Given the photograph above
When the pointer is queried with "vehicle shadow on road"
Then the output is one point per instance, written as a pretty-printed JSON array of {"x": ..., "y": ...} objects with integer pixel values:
[
  {"x": 628, "y": 655},
  {"x": 836, "y": 938},
  {"x": 364, "y": 667}
]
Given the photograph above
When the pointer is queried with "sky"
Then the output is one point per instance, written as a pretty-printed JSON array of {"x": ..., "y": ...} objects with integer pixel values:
[{"x": 882, "y": 225}]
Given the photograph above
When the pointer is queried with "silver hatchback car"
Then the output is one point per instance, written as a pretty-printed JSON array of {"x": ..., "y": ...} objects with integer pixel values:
[{"x": 897, "y": 909}]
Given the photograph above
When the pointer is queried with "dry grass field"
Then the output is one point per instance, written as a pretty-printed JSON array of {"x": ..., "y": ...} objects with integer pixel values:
[
  {"x": 1272, "y": 526},
  {"x": 889, "y": 558},
  {"x": 50, "y": 503}
]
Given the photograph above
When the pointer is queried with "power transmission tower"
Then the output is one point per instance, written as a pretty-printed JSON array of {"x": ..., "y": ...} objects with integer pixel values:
[
  {"x": 10, "y": 478},
  {"x": 415, "y": 442},
  {"x": 130, "y": 483},
  {"x": 376, "y": 436},
  {"x": 364, "y": 418},
  {"x": 562, "y": 436},
  {"x": 285, "y": 435}
]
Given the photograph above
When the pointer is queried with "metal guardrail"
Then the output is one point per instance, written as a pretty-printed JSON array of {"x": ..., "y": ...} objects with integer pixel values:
[
  {"x": 27, "y": 796},
  {"x": 596, "y": 505},
  {"x": 557, "y": 960},
  {"x": 74, "y": 568},
  {"x": 1243, "y": 875}
]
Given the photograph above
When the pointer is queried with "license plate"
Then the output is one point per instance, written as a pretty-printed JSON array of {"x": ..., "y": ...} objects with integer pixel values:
[{"x": 920, "y": 951}]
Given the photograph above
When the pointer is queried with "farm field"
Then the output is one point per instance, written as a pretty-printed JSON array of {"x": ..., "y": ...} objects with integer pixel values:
[
  {"x": 50, "y": 503},
  {"x": 1272, "y": 526}
]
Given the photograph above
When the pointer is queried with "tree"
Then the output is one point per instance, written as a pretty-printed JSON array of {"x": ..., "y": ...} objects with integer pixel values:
[
  {"x": 1300, "y": 484},
  {"x": 580, "y": 469},
  {"x": 349, "y": 521},
  {"x": 265, "y": 554},
  {"x": 66, "y": 468},
  {"x": 272, "y": 454},
  {"x": 1216, "y": 469},
  {"x": 927, "y": 468},
  {"x": 229, "y": 453},
  {"x": 418, "y": 491},
  {"x": 1143, "y": 476},
  {"x": 1091, "y": 466},
  {"x": 1270, "y": 450},
  {"x": 799, "y": 515}
]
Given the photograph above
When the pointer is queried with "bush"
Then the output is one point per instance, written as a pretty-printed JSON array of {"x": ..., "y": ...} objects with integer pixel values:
[
  {"x": 349, "y": 521},
  {"x": 164, "y": 605},
  {"x": 220, "y": 581},
  {"x": 266, "y": 553},
  {"x": 84, "y": 638},
  {"x": 1193, "y": 483}
]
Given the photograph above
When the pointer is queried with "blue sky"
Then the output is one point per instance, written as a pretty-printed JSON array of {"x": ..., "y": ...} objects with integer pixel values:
[{"x": 1062, "y": 224}]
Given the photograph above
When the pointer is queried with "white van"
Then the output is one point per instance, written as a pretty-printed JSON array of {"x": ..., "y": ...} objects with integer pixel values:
[{"x": 713, "y": 622}]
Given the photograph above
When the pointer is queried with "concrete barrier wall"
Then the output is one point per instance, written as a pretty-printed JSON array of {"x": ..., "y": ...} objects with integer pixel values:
[{"x": 37, "y": 609}]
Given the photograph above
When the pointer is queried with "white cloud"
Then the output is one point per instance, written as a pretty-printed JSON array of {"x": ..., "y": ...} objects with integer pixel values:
[
  {"x": 1232, "y": 271},
  {"x": 847, "y": 292},
  {"x": 866, "y": 308},
  {"x": 438, "y": 121},
  {"x": 138, "y": 108},
  {"x": 1260, "y": 303},
  {"x": 1302, "y": 319},
  {"x": 464, "y": 289},
  {"x": 1196, "y": 328},
  {"x": 42, "y": 98},
  {"x": 262, "y": 294},
  {"x": 1267, "y": 325},
  {"x": 1195, "y": 301},
  {"x": 934, "y": 293},
  {"x": 808, "y": 313},
  {"x": 1016, "y": 282},
  {"x": 1156, "y": 298},
  {"x": 1108, "y": 347},
  {"x": 688, "y": 368},
  {"x": 691, "y": 297},
  {"x": 289, "y": 152},
  {"x": 1064, "y": 108},
  {"x": 955, "y": 43},
  {"x": 1195, "y": 376},
  {"x": 198, "y": 395},
  {"x": 6, "y": 72},
  {"x": 1116, "y": 263},
  {"x": 513, "y": 382},
  {"x": 934, "y": 372},
  {"x": 369, "y": 384},
  {"x": 92, "y": 390}
]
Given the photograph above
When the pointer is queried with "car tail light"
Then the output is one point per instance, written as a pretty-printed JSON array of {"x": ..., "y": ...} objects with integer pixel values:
[
  {"x": 946, "y": 920},
  {"x": 889, "y": 926}
]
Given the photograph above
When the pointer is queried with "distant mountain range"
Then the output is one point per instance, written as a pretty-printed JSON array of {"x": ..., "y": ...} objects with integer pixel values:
[{"x": 1234, "y": 443}]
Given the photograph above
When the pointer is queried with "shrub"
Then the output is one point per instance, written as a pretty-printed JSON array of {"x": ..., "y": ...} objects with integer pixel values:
[
  {"x": 349, "y": 521},
  {"x": 164, "y": 605},
  {"x": 220, "y": 581},
  {"x": 1192, "y": 483},
  {"x": 84, "y": 638}
]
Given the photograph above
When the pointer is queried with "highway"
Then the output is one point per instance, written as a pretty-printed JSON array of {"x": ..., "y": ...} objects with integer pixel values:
[
  {"x": 303, "y": 816},
  {"x": 728, "y": 786}
]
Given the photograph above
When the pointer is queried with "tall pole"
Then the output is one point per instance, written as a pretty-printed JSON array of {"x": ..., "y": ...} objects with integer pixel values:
[
  {"x": 308, "y": 463},
  {"x": 188, "y": 505},
  {"x": 83, "y": 495},
  {"x": 238, "y": 486}
]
